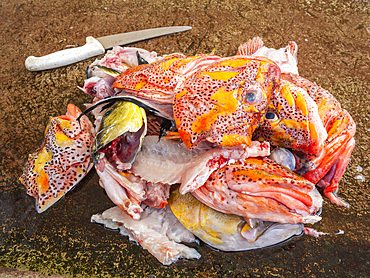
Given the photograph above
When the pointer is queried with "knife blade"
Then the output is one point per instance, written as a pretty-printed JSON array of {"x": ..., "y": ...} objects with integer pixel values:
[{"x": 95, "y": 47}]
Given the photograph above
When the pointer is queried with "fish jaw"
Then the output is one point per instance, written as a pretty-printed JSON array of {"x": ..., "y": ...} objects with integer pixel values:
[
  {"x": 261, "y": 189},
  {"x": 331, "y": 169},
  {"x": 61, "y": 161},
  {"x": 327, "y": 167},
  {"x": 234, "y": 98}
]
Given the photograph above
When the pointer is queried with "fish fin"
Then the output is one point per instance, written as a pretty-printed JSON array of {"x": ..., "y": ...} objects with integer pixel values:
[
  {"x": 250, "y": 47},
  {"x": 171, "y": 135},
  {"x": 293, "y": 49}
]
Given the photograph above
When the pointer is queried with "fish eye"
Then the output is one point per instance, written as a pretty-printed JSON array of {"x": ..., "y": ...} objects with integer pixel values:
[
  {"x": 108, "y": 113},
  {"x": 271, "y": 117},
  {"x": 250, "y": 97},
  {"x": 253, "y": 97}
]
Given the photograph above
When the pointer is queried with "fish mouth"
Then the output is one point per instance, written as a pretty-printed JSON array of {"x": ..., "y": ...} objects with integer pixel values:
[
  {"x": 261, "y": 189},
  {"x": 121, "y": 152}
]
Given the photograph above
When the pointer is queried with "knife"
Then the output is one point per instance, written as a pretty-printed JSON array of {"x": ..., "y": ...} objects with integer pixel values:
[{"x": 95, "y": 47}]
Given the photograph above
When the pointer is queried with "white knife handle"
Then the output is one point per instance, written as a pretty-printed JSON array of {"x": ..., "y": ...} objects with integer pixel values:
[{"x": 66, "y": 56}]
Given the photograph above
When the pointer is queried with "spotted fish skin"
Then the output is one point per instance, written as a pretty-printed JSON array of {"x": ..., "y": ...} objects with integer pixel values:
[
  {"x": 327, "y": 167},
  {"x": 61, "y": 161},
  {"x": 224, "y": 102},
  {"x": 261, "y": 189},
  {"x": 292, "y": 121},
  {"x": 309, "y": 120},
  {"x": 214, "y": 99},
  {"x": 158, "y": 80}
]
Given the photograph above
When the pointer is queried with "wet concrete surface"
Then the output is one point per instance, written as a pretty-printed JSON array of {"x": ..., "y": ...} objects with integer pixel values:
[{"x": 333, "y": 40}]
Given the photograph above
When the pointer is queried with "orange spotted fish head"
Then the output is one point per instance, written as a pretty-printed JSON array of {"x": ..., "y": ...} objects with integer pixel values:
[
  {"x": 223, "y": 103},
  {"x": 292, "y": 121},
  {"x": 61, "y": 161}
]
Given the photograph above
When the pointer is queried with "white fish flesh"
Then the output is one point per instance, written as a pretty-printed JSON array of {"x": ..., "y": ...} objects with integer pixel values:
[{"x": 158, "y": 231}]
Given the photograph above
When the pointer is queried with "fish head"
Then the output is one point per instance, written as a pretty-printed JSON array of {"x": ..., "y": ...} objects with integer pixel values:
[
  {"x": 121, "y": 133},
  {"x": 61, "y": 161},
  {"x": 259, "y": 188},
  {"x": 228, "y": 232},
  {"x": 292, "y": 121},
  {"x": 223, "y": 103}
]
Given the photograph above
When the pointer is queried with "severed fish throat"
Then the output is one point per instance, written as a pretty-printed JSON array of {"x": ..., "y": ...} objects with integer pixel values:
[{"x": 121, "y": 133}]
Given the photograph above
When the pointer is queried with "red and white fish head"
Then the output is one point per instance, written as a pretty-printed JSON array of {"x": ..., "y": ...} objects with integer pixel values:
[
  {"x": 292, "y": 121},
  {"x": 224, "y": 102}
]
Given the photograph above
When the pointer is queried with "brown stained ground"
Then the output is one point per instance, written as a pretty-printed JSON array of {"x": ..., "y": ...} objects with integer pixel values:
[{"x": 333, "y": 40}]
